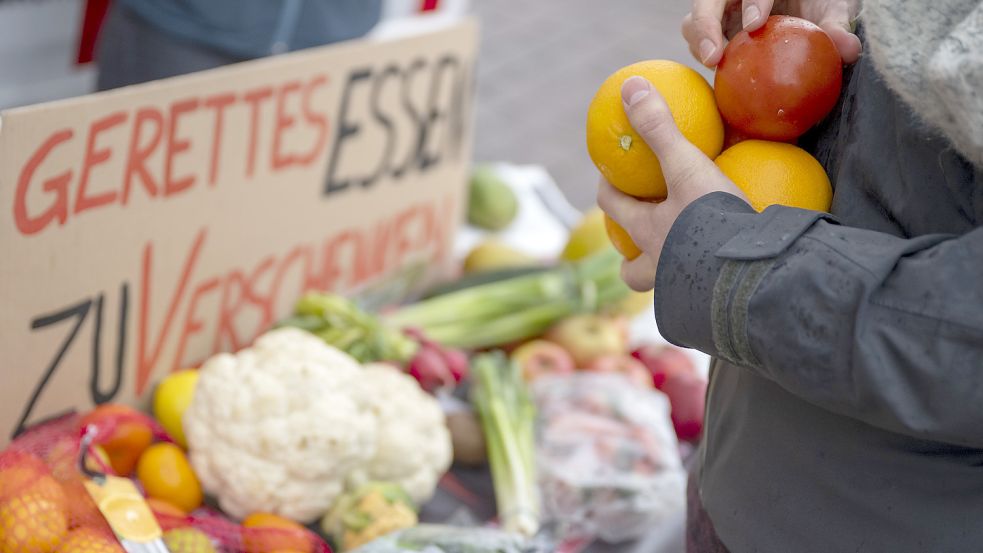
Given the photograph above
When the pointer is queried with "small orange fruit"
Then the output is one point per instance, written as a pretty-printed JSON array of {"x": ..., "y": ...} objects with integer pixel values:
[
  {"x": 621, "y": 154},
  {"x": 19, "y": 472},
  {"x": 87, "y": 539},
  {"x": 130, "y": 434},
  {"x": 619, "y": 237},
  {"x": 25, "y": 478},
  {"x": 777, "y": 173},
  {"x": 80, "y": 507},
  {"x": 161, "y": 507},
  {"x": 33, "y": 521},
  {"x": 166, "y": 474},
  {"x": 267, "y": 533}
]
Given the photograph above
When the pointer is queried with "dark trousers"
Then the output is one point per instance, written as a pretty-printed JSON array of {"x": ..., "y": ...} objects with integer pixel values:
[
  {"x": 130, "y": 51},
  {"x": 700, "y": 534}
]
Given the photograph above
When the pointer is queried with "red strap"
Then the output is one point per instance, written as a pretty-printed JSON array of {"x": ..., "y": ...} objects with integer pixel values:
[
  {"x": 428, "y": 5},
  {"x": 95, "y": 13}
]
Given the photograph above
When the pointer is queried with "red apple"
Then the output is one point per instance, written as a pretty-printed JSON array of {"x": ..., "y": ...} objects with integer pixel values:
[
  {"x": 626, "y": 365},
  {"x": 624, "y": 326},
  {"x": 588, "y": 337},
  {"x": 687, "y": 397},
  {"x": 540, "y": 357},
  {"x": 664, "y": 361},
  {"x": 674, "y": 373}
]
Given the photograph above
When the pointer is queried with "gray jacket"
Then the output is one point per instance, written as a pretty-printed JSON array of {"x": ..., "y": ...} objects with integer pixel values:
[{"x": 845, "y": 407}]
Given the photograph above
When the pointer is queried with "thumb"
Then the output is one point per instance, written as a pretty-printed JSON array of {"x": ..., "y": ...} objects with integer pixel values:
[
  {"x": 836, "y": 21},
  {"x": 846, "y": 42},
  {"x": 650, "y": 117}
]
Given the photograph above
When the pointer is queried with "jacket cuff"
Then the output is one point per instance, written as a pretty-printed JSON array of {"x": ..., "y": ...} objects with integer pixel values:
[
  {"x": 716, "y": 254},
  {"x": 688, "y": 268}
]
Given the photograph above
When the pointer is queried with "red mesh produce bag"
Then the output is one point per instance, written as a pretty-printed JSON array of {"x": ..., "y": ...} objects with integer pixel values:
[{"x": 45, "y": 508}]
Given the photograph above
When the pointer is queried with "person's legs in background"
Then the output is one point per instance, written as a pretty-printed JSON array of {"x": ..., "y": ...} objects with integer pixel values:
[{"x": 131, "y": 51}]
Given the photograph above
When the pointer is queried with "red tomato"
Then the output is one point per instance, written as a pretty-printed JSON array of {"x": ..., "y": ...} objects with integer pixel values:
[{"x": 778, "y": 81}]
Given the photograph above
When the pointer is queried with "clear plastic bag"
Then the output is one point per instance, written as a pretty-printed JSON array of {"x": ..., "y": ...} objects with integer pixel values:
[
  {"x": 608, "y": 457},
  {"x": 434, "y": 538}
]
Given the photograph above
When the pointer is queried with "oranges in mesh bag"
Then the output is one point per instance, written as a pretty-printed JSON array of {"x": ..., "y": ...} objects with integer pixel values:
[
  {"x": 87, "y": 539},
  {"x": 33, "y": 514}
]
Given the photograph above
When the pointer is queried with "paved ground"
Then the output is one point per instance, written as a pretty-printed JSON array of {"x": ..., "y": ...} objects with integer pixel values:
[{"x": 541, "y": 63}]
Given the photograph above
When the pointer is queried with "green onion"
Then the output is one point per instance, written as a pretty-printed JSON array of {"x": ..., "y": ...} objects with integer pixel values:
[
  {"x": 507, "y": 417},
  {"x": 517, "y": 308}
]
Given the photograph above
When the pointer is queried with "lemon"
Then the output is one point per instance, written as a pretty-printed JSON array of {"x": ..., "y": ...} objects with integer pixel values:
[
  {"x": 588, "y": 237},
  {"x": 171, "y": 399},
  {"x": 493, "y": 255}
]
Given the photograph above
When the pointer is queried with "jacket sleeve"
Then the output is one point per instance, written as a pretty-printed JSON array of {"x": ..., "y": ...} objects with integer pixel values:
[{"x": 879, "y": 328}]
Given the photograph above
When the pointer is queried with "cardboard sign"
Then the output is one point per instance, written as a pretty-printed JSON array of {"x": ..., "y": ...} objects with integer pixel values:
[{"x": 146, "y": 228}]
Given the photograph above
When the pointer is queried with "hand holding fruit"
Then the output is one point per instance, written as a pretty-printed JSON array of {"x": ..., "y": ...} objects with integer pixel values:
[
  {"x": 689, "y": 175},
  {"x": 711, "y": 22}
]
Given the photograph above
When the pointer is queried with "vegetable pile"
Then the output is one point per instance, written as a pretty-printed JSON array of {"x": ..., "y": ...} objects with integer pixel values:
[
  {"x": 283, "y": 426},
  {"x": 347, "y": 421}
]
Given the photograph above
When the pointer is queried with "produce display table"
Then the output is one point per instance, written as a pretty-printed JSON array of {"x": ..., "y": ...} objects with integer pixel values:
[{"x": 545, "y": 214}]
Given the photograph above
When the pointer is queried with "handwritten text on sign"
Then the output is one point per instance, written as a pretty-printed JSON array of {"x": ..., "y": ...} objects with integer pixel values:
[{"x": 150, "y": 227}]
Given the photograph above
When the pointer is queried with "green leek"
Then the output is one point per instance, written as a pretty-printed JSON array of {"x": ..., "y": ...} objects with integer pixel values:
[
  {"x": 517, "y": 308},
  {"x": 507, "y": 418}
]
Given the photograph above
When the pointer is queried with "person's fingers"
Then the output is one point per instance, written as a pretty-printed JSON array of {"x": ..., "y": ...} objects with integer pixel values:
[
  {"x": 754, "y": 13},
  {"x": 650, "y": 117},
  {"x": 846, "y": 42},
  {"x": 703, "y": 31},
  {"x": 618, "y": 205},
  {"x": 639, "y": 273},
  {"x": 837, "y": 20}
]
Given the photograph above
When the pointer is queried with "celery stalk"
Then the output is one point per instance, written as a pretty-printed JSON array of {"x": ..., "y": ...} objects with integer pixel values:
[{"x": 507, "y": 417}]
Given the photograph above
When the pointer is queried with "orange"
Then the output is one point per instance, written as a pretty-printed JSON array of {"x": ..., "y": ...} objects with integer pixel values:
[
  {"x": 80, "y": 507},
  {"x": 266, "y": 533},
  {"x": 33, "y": 521},
  {"x": 129, "y": 434},
  {"x": 732, "y": 136},
  {"x": 619, "y": 237},
  {"x": 19, "y": 472},
  {"x": 166, "y": 474},
  {"x": 621, "y": 154},
  {"x": 86, "y": 539},
  {"x": 161, "y": 507},
  {"x": 168, "y": 516},
  {"x": 777, "y": 173}
]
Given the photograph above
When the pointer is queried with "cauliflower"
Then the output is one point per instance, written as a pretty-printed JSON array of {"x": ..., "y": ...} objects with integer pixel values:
[
  {"x": 276, "y": 427},
  {"x": 413, "y": 445}
]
